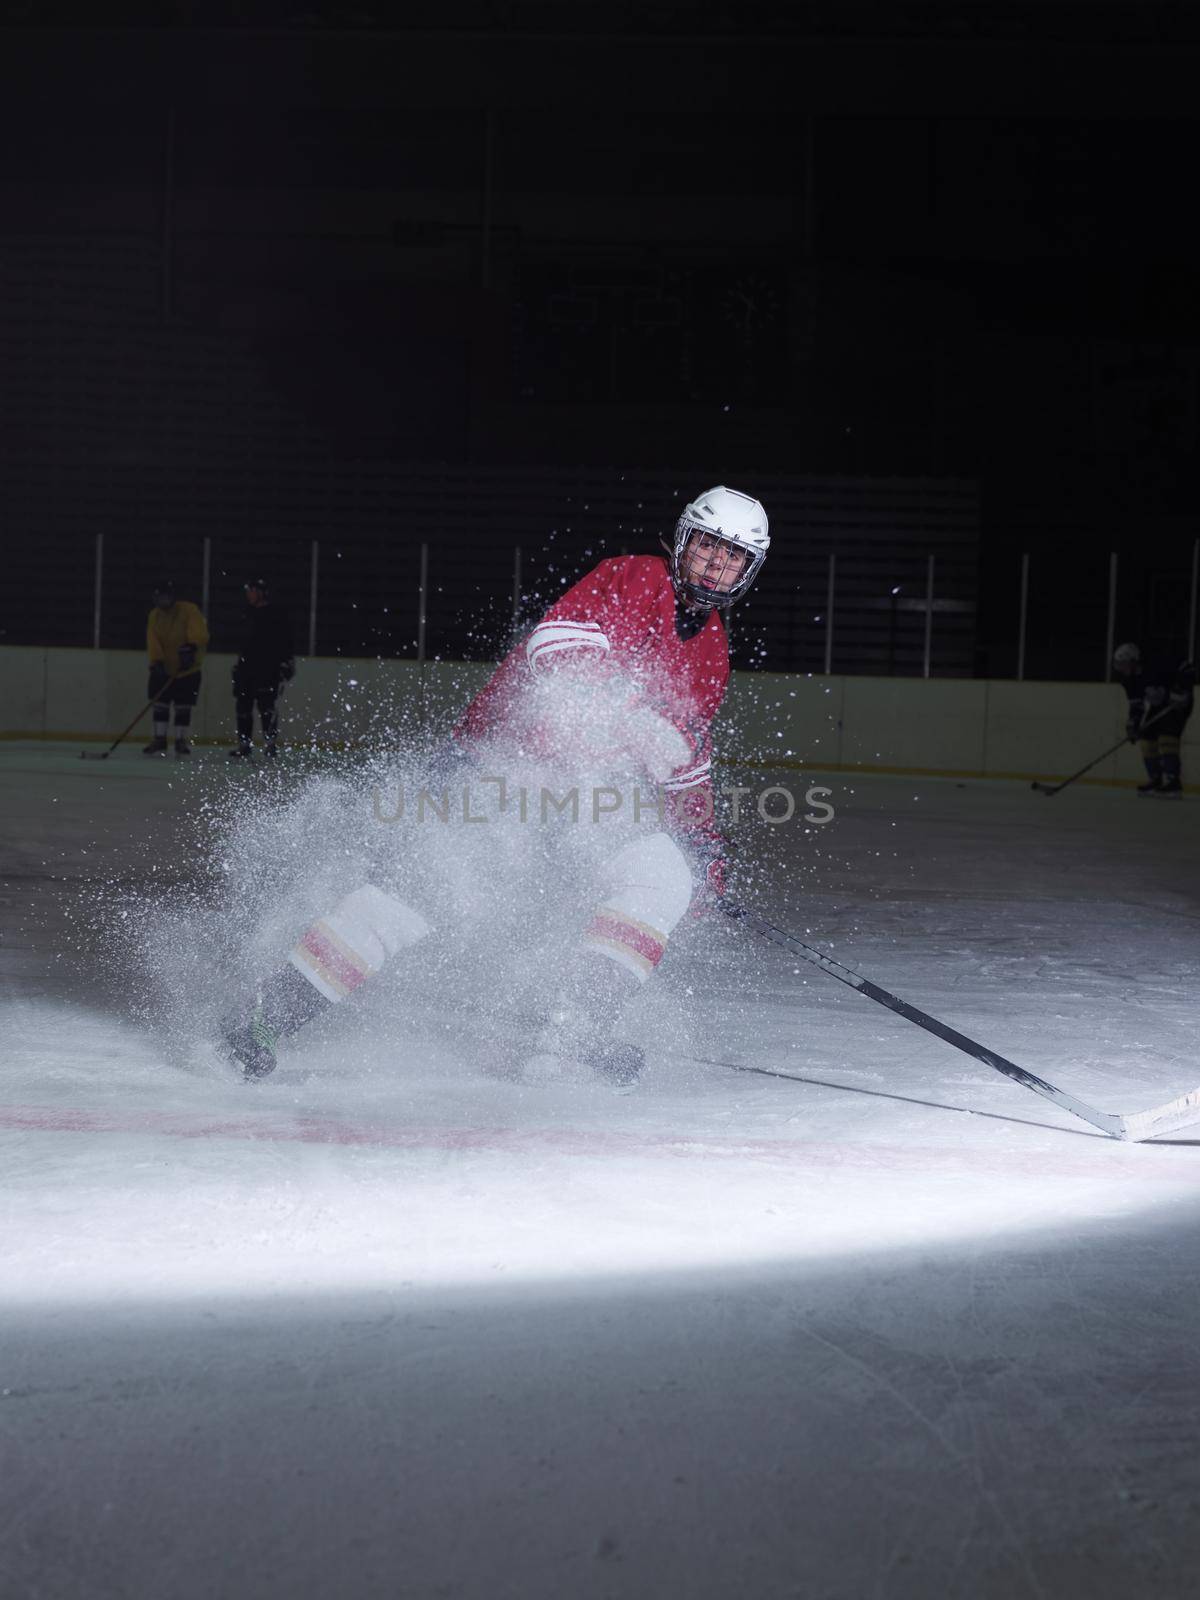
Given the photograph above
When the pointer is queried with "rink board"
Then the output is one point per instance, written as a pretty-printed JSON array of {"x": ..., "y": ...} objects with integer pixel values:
[{"x": 956, "y": 727}]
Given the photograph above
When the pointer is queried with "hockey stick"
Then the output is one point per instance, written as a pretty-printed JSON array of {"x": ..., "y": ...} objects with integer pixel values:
[
  {"x": 1137, "y": 1125},
  {"x": 91, "y": 755},
  {"x": 1053, "y": 788}
]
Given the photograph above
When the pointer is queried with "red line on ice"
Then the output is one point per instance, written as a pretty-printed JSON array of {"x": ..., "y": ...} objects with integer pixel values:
[{"x": 937, "y": 1161}]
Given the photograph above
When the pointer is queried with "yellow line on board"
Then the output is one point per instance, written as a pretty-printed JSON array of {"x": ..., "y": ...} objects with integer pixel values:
[
  {"x": 100, "y": 738},
  {"x": 755, "y": 762},
  {"x": 938, "y": 772}
]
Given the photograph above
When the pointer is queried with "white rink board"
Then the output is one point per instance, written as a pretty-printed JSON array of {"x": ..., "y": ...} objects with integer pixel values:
[{"x": 977, "y": 728}]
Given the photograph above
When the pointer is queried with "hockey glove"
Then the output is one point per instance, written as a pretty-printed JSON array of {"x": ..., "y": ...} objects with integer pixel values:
[
  {"x": 187, "y": 657},
  {"x": 715, "y": 878},
  {"x": 452, "y": 762},
  {"x": 652, "y": 743},
  {"x": 710, "y": 852}
]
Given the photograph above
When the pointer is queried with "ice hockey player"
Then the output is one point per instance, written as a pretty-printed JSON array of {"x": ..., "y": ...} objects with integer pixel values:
[
  {"x": 176, "y": 637},
  {"x": 1160, "y": 702},
  {"x": 266, "y": 661},
  {"x": 653, "y": 620}
]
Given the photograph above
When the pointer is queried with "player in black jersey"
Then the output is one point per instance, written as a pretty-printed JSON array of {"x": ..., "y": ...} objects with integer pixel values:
[
  {"x": 266, "y": 661},
  {"x": 1160, "y": 702}
]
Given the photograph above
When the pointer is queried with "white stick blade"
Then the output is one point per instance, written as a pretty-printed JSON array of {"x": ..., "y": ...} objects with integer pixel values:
[{"x": 1176, "y": 1114}]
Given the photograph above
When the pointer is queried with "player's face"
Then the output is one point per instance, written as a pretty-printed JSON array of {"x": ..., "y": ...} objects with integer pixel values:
[
  {"x": 713, "y": 563},
  {"x": 164, "y": 601}
]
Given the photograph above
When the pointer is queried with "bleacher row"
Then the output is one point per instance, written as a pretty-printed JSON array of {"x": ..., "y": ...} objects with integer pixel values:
[
  {"x": 159, "y": 435},
  {"x": 367, "y": 585}
]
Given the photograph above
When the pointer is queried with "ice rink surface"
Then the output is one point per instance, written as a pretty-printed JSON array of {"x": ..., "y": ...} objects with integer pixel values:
[{"x": 385, "y": 1326}]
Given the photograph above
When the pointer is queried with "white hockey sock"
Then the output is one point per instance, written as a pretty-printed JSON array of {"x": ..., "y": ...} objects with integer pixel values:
[
  {"x": 341, "y": 951},
  {"x": 648, "y": 889}
]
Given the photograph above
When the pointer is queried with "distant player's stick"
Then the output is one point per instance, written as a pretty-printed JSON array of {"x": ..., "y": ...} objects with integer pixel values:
[
  {"x": 1053, "y": 788},
  {"x": 1136, "y": 1126},
  {"x": 103, "y": 755}
]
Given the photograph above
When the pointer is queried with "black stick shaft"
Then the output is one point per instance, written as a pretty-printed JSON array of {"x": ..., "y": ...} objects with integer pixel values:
[
  {"x": 1105, "y": 1121},
  {"x": 1112, "y": 750},
  {"x": 1103, "y": 756},
  {"x": 125, "y": 732}
]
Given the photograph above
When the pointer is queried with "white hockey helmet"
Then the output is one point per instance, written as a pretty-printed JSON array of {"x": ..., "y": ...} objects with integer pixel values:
[
  {"x": 735, "y": 519},
  {"x": 1126, "y": 655}
]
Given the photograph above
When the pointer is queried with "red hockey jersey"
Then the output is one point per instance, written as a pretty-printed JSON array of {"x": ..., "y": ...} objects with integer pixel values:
[{"x": 620, "y": 618}]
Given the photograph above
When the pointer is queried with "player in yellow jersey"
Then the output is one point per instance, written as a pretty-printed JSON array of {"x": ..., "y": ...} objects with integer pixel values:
[{"x": 176, "y": 638}]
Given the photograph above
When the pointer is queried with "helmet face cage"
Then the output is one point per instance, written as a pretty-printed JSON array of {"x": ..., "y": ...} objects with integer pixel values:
[{"x": 697, "y": 593}]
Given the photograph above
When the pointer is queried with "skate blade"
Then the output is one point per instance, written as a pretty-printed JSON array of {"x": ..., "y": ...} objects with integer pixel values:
[{"x": 547, "y": 1068}]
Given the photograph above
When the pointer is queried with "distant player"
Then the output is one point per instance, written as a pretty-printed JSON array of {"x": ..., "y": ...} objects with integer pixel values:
[
  {"x": 266, "y": 661},
  {"x": 649, "y": 621},
  {"x": 1160, "y": 702},
  {"x": 176, "y": 639}
]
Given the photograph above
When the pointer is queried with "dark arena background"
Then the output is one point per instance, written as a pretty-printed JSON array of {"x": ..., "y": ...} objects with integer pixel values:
[{"x": 412, "y": 314}]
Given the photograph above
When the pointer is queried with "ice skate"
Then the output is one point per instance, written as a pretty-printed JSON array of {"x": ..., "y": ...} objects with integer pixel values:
[
  {"x": 1151, "y": 786},
  {"x": 183, "y": 747},
  {"x": 1170, "y": 789},
  {"x": 576, "y": 1043},
  {"x": 560, "y": 1047},
  {"x": 241, "y": 752},
  {"x": 285, "y": 1002},
  {"x": 156, "y": 747},
  {"x": 564, "y": 1058},
  {"x": 618, "y": 1064},
  {"x": 553, "y": 1065},
  {"x": 251, "y": 1043}
]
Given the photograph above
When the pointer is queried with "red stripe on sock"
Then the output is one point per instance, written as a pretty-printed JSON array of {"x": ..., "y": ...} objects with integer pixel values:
[
  {"x": 333, "y": 961},
  {"x": 621, "y": 932}
]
